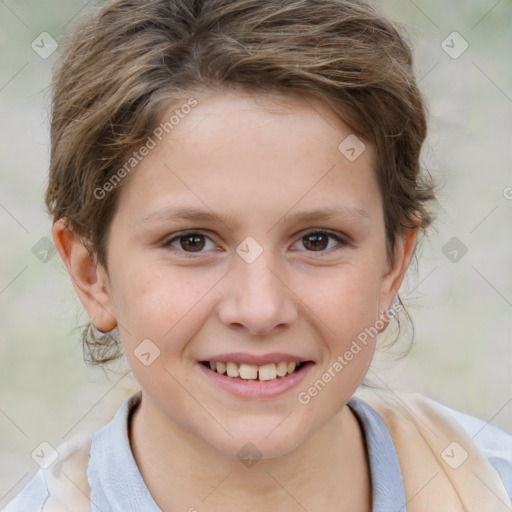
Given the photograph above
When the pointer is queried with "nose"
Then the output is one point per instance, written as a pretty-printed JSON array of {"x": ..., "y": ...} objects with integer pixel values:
[{"x": 257, "y": 298}]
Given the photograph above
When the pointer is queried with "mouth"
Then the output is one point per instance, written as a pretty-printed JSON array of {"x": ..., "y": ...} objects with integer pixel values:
[
  {"x": 254, "y": 381},
  {"x": 266, "y": 372}
]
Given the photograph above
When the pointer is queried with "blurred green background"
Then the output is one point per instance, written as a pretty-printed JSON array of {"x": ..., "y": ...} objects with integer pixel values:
[{"x": 462, "y": 354}]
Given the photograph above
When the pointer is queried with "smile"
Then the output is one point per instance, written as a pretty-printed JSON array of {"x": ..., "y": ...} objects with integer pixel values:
[
  {"x": 271, "y": 371},
  {"x": 255, "y": 381}
]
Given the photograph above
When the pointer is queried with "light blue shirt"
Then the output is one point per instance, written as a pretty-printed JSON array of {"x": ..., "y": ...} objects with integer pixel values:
[{"x": 117, "y": 485}]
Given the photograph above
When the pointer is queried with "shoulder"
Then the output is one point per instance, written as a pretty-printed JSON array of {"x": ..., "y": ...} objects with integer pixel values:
[
  {"x": 494, "y": 443},
  {"x": 64, "y": 485},
  {"x": 33, "y": 496},
  {"x": 413, "y": 410},
  {"x": 64, "y": 482}
]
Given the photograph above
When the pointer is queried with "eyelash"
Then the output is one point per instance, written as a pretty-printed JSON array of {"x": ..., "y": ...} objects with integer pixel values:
[{"x": 342, "y": 242}]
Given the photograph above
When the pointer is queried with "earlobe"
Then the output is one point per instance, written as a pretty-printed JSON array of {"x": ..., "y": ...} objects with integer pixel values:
[{"x": 88, "y": 277}]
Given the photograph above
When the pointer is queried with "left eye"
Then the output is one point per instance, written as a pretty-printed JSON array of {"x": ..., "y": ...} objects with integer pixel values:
[{"x": 318, "y": 241}]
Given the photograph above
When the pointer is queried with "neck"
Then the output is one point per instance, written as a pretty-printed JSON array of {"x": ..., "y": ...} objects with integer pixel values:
[{"x": 330, "y": 467}]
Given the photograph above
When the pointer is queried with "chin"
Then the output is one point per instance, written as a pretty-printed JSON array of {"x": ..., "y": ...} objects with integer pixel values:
[{"x": 259, "y": 443}]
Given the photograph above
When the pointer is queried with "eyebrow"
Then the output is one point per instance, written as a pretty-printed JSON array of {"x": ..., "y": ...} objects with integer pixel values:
[{"x": 194, "y": 214}]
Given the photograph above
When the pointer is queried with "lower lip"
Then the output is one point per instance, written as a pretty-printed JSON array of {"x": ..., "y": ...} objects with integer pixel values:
[{"x": 257, "y": 388}]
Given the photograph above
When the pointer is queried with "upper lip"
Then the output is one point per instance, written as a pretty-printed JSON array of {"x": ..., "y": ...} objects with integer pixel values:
[{"x": 257, "y": 360}]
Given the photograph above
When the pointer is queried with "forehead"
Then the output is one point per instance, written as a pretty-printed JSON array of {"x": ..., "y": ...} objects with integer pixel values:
[
  {"x": 257, "y": 151},
  {"x": 247, "y": 106}
]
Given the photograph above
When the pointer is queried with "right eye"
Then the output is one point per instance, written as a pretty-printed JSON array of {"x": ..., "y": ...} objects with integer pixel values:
[{"x": 188, "y": 243}]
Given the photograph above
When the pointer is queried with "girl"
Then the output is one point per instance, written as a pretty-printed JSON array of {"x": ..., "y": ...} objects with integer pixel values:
[{"x": 237, "y": 195}]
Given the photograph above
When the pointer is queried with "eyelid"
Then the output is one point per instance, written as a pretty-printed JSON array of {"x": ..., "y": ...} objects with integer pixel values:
[
  {"x": 334, "y": 234},
  {"x": 166, "y": 243},
  {"x": 341, "y": 239}
]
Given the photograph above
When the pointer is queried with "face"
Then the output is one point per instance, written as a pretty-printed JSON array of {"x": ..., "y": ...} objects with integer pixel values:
[{"x": 248, "y": 238}]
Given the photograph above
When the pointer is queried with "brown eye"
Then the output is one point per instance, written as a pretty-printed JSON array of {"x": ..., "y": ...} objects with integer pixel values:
[
  {"x": 188, "y": 243},
  {"x": 320, "y": 241},
  {"x": 192, "y": 243},
  {"x": 316, "y": 241}
]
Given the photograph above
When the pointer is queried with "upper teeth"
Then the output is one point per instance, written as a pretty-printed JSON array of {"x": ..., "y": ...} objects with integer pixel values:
[{"x": 252, "y": 372}]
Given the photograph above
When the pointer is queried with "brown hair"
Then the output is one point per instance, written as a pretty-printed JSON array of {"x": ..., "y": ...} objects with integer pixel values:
[{"x": 132, "y": 59}]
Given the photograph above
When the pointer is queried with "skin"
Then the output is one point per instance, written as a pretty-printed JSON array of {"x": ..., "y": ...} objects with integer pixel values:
[{"x": 254, "y": 161}]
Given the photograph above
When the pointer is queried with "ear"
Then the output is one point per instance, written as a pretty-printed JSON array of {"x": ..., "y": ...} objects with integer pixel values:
[
  {"x": 395, "y": 273},
  {"x": 89, "y": 278}
]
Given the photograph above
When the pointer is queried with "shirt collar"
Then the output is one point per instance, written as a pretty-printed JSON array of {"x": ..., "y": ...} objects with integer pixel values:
[
  {"x": 387, "y": 482},
  {"x": 116, "y": 483},
  {"x": 115, "y": 480}
]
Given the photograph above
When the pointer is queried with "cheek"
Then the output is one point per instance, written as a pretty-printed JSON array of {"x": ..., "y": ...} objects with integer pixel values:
[
  {"x": 348, "y": 309},
  {"x": 348, "y": 313},
  {"x": 346, "y": 299},
  {"x": 161, "y": 304},
  {"x": 160, "y": 322}
]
